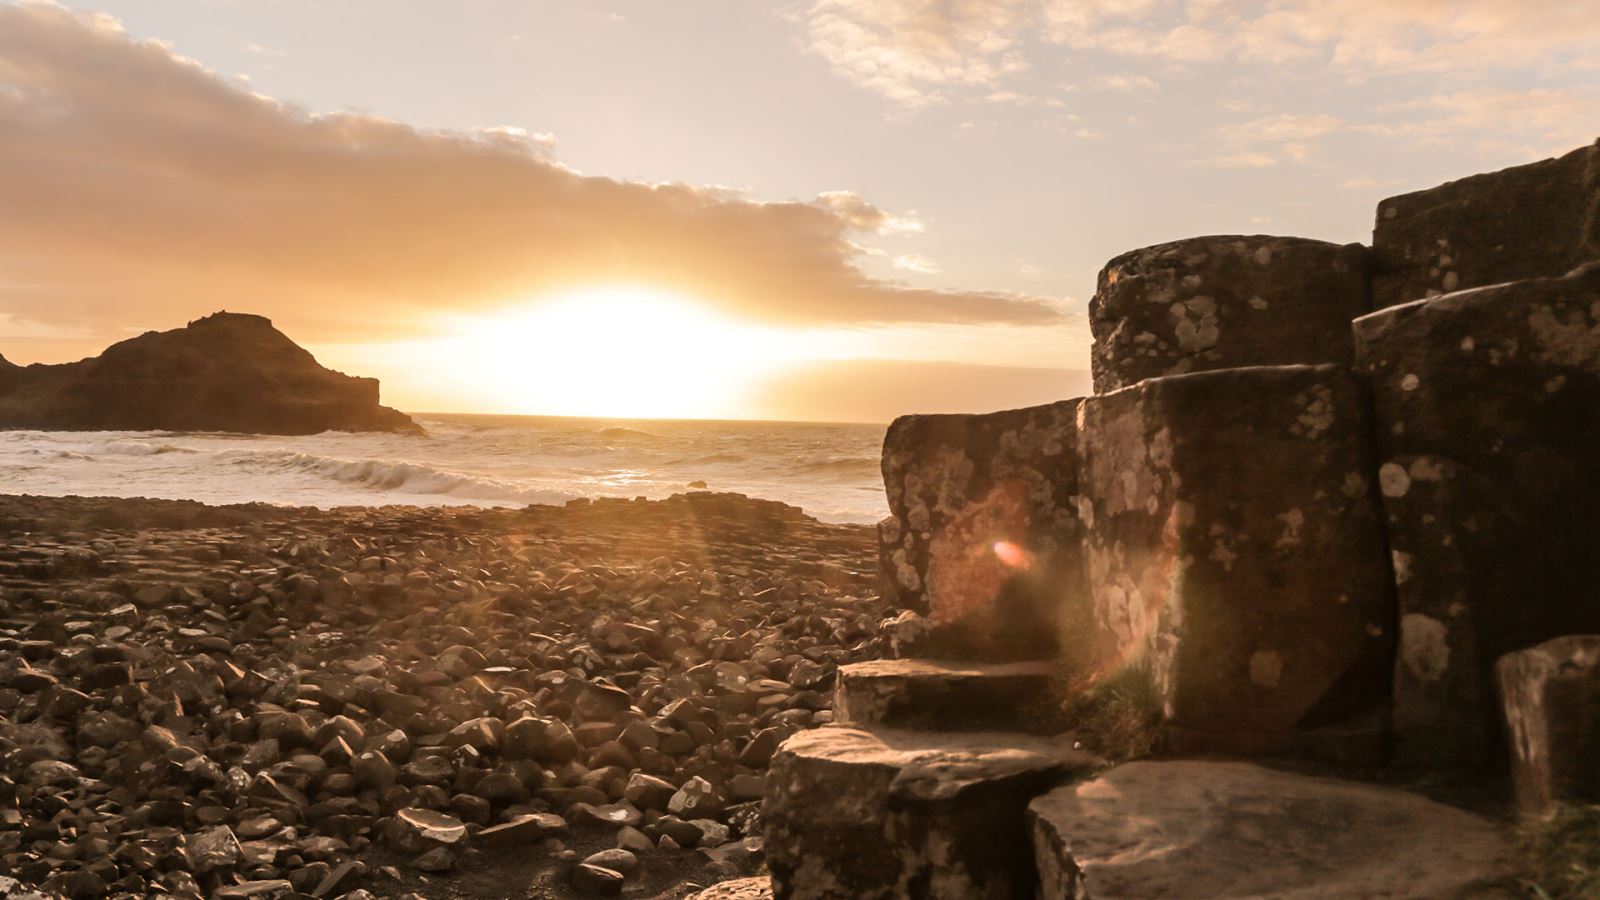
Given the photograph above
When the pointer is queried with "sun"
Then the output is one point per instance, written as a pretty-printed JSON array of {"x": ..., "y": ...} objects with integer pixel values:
[{"x": 616, "y": 351}]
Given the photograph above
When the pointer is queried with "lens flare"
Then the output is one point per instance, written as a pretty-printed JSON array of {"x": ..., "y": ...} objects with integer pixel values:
[{"x": 1013, "y": 556}]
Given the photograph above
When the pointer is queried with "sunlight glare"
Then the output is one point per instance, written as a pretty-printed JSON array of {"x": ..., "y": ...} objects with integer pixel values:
[{"x": 616, "y": 351}]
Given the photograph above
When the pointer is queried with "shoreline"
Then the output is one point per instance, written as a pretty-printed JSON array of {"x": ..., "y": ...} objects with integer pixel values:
[{"x": 194, "y": 697}]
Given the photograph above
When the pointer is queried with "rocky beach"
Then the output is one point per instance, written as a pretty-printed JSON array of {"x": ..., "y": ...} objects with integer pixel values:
[{"x": 249, "y": 701}]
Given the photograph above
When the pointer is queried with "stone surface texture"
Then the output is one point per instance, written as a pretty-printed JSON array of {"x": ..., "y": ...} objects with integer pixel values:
[
  {"x": 1485, "y": 410},
  {"x": 855, "y": 814},
  {"x": 1535, "y": 221},
  {"x": 1224, "y": 302},
  {"x": 1551, "y": 697},
  {"x": 1232, "y": 830},
  {"x": 1235, "y": 552},
  {"x": 983, "y": 536},
  {"x": 943, "y": 695}
]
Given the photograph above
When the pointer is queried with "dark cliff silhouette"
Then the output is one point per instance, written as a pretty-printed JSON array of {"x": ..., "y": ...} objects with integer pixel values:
[{"x": 225, "y": 372}]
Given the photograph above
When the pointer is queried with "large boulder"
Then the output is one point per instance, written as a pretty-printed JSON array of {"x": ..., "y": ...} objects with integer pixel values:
[
  {"x": 1533, "y": 221},
  {"x": 856, "y": 814},
  {"x": 1488, "y": 427},
  {"x": 1224, "y": 302},
  {"x": 1551, "y": 697},
  {"x": 1235, "y": 554},
  {"x": 1226, "y": 830},
  {"x": 225, "y": 372},
  {"x": 983, "y": 537}
]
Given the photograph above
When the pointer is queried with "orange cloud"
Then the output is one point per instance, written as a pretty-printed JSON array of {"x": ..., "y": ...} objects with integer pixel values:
[{"x": 133, "y": 178}]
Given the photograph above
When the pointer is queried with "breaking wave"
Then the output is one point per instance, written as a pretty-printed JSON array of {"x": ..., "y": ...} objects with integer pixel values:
[{"x": 400, "y": 477}]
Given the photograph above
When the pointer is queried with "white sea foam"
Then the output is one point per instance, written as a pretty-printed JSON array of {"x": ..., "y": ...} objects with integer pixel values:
[{"x": 831, "y": 471}]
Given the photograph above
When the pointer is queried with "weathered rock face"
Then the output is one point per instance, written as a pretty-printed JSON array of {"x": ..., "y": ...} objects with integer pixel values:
[
  {"x": 983, "y": 536},
  {"x": 1227, "y": 830},
  {"x": 1235, "y": 553},
  {"x": 1534, "y": 221},
  {"x": 1551, "y": 697},
  {"x": 852, "y": 814},
  {"x": 955, "y": 696},
  {"x": 1485, "y": 411},
  {"x": 1223, "y": 302},
  {"x": 225, "y": 372}
]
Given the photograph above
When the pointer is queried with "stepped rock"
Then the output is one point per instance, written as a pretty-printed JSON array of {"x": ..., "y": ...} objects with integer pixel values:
[
  {"x": 225, "y": 372},
  {"x": 1535, "y": 221},
  {"x": 1224, "y": 302},
  {"x": 1485, "y": 409},
  {"x": 856, "y": 814},
  {"x": 1551, "y": 697},
  {"x": 1228, "y": 830},
  {"x": 1235, "y": 553},
  {"x": 983, "y": 536},
  {"x": 943, "y": 695}
]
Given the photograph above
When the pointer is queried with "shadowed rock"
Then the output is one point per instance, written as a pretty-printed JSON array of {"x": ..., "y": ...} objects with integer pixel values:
[
  {"x": 1551, "y": 697},
  {"x": 855, "y": 814},
  {"x": 1223, "y": 302},
  {"x": 1534, "y": 221},
  {"x": 983, "y": 538},
  {"x": 1235, "y": 554},
  {"x": 225, "y": 372},
  {"x": 1487, "y": 435},
  {"x": 1224, "y": 830}
]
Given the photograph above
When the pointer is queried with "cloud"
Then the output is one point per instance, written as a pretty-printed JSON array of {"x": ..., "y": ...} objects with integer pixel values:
[
  {"x": 136, "y": 180},
  {"x": 918, "y": 52},
  {"x": 911, "y": 51},
  {"x": 916, "y": 262}
]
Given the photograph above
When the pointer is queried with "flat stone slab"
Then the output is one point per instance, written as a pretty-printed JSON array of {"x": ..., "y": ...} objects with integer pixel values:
[
  {"x": 944, "y": 695},
  {"x": 880, "y": 813},
  {"x": 1234, "y": 830}
]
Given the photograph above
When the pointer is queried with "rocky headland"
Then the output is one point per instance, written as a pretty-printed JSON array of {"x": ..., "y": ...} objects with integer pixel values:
[{"x": 225, "y": 372}]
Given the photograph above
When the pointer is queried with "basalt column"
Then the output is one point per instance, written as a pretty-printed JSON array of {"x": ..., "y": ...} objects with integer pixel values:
[
  {"x": 1235, "y": 553},
  {"x": 1535, "y": 221},
  {"x": 1224, "y": 302},
  {"x": 1488, "y": 434},
  {"x": 983, "y": 537}
]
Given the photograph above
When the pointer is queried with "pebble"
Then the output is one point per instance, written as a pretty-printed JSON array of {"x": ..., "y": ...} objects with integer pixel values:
[{"x": 270, "y": 692}]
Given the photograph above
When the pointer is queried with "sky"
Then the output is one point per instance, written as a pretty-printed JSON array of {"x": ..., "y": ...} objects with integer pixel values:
[{"x": 812, "y": 209}]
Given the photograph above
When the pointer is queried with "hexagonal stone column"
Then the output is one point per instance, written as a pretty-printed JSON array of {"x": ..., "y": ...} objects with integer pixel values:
[
  {"x": 1223, "y": 302},
  {"x": 1551, "y": 697},
  {"x": 857, "y": 814},
  {"x": 1235, "y": 554},
  {"x": 1535, "y": 221},
  {"x": 983, "y": 536},
  {"x": 1488, "y": 427}
]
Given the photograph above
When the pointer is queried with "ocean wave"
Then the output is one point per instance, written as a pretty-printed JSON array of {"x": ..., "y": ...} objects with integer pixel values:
[
  {"x": 710, "y": 459},
  {"x": 141, "y": 448},
  {"x": 401, "y": 477},
  {"x": 850, "y": 464},
  {"x": 617, "y": 431}
]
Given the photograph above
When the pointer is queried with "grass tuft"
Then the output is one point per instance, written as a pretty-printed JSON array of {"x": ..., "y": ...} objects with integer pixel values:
[
  {"x": 1118, "y": 718},
  {"x": 1561, "y": 856}
]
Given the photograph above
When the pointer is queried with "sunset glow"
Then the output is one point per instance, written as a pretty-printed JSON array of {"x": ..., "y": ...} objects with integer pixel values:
[{"x": 619, "y": 351}]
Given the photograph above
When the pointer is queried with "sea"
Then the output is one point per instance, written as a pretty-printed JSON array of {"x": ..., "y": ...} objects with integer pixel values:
[{"x": 830, "y": 471}]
